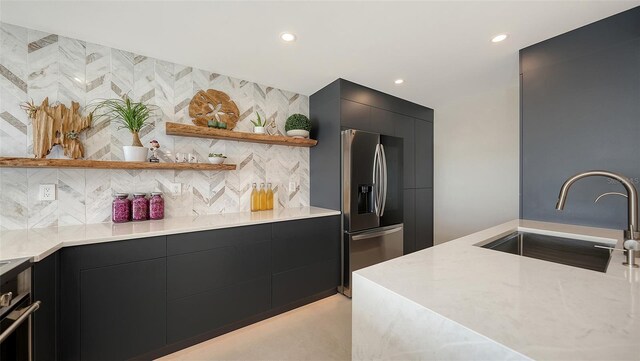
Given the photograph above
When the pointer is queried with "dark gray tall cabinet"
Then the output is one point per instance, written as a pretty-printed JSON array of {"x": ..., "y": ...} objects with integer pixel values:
[{"x": 342, "y": 105}]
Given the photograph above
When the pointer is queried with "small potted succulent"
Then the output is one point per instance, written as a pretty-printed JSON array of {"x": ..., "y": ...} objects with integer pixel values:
[
  {"x": 217, "y": 158},
  {"x": 259, "y": 125},
  {"x": 298, "y": 126},
  {"x": 129, "y": 115}
]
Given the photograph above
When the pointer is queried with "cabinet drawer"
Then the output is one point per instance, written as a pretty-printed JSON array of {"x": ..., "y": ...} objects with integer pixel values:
[
  {"x": 199, "y": 241},
  {"x": 193, "y": 273},
  {"x": 296, "y": 284},
  {"x": 205, "y": 312},
  {"x": 304, "y": 242},
  {"x": 112, "y": 253}
]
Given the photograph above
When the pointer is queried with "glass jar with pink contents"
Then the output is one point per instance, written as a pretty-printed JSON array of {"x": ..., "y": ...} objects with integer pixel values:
[
  {"x": 140, "y": 207},
  {"x": 156, "y": 209},
  {"x": 121, "y": 208}
]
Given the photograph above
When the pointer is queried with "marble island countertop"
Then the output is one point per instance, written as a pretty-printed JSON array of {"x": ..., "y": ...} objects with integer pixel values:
[
  {"x": 38, "y": 243},
  {"x": 461, "y": 301}
]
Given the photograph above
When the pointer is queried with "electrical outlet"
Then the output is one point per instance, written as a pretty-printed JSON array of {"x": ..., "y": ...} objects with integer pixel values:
[
  {"x": 292, "y": 186},
  {"x": 175, "y": 188},
  {"x": 47, "y": 192}
]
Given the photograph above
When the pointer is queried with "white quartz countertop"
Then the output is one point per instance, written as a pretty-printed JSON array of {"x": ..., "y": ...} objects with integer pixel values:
[
  {"x": 539, "y": 309},
  {"x": 38, "y": 243}
]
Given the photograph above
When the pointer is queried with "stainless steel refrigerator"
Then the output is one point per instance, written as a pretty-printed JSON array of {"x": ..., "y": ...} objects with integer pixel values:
[{"x": 371, "y": 201}]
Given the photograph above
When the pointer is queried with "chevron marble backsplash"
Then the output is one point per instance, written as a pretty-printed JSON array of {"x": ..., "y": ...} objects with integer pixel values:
[{"x": 35, "y": 65}]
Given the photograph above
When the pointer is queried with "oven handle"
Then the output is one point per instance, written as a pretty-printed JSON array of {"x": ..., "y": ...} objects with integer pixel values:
[{"x": 23, "y": 317}]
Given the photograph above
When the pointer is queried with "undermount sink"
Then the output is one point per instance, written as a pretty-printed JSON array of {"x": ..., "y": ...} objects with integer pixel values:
[{"x": 568, "y": 251}]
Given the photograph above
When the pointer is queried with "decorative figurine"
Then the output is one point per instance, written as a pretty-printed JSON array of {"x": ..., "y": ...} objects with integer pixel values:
[{"x": 154, "y": 151}]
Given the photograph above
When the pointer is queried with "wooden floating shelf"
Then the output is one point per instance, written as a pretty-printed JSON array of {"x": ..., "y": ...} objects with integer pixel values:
[
  {"x": 106, "y": 164},
  {"x": 188, "y": 130}
]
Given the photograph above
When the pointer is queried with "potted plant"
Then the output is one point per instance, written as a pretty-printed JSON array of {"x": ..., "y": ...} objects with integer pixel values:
[
  {"x": 259, "y": 124},
  {"x": 298, "y": 126},
  {"x": 129, "y": 115},
  {"x": 217, "y": 158}
]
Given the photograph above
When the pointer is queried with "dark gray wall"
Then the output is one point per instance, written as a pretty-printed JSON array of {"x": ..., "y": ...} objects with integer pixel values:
[{"x": 580, "y": 110}]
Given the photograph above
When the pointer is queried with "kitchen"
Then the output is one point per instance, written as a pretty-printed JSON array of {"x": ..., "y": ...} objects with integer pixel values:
[{"x": 319, "y": 199}]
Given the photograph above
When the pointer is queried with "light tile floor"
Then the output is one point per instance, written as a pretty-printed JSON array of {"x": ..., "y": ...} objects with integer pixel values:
[{"x": 318, "y": 331}]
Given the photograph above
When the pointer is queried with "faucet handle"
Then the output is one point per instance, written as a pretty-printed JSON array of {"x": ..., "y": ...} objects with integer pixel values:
[{"x": 610, "y": 194}]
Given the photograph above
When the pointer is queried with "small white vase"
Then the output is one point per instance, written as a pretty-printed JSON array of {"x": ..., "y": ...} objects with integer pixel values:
[
  {"x": 298, "y": 133},
  {"x": 135, "y": 154},
  {"x": 259, "y": 130}
]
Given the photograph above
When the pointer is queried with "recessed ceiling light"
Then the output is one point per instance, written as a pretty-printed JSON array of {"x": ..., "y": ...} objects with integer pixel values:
[
  {"x": 288, "y": 37},
  {"x": 498, "y": 38},
  {"x": 399, "y": 81}
]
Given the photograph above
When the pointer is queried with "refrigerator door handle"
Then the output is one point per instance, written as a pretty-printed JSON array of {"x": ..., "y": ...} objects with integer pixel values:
[
  {"x": 375, "y": 181},
  {"x": 383, "y": 160}
]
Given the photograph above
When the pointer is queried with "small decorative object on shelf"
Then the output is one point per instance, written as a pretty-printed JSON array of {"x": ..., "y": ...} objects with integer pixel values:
[
  {"x": 259, "y": 125},
  {"x": 269, "y": 197},
  {"x": 140, "y": 207},
  {"x": 211, "y": 106},
  {"x": 193, "y": 158},
  {"x": 121, "y": 208},
  {"x": 156, "y": 206},
  {"x": 130, "y": 115},
  {"x": 181, "y": 157},
  {"x": 255, "y": 198},
  {"x": 298, "y": 126},
  {"x": 57, "y": 125},
  {"x": 154, "y": 151},
  {"x": 217, "y": 158}
]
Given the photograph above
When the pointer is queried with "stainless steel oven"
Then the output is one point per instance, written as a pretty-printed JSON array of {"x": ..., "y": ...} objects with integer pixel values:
[{"x": 16, "y": 308}]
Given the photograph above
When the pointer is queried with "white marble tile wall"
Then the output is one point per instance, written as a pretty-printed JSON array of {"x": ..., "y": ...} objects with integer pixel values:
[{"x": 35, "y": 65}]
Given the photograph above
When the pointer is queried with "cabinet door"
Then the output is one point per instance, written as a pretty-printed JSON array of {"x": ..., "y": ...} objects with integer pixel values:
[
  {"x": 224, "y": 274},
  {"x": 405, "y": 128},
  {"x": 424, "y": 218},
  {"x": 424, "y": 154},
  {"x": 409, "y": 221},
  {"x": 355, "y": 115},
  {"x": 112, "y": 299},
  {"x": 306, "y": 256},
  {"x": 123, "y": 310},
  {"x": 382, "y": 121}
]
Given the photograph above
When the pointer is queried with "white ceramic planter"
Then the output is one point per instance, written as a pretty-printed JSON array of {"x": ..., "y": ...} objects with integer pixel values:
[
  {"x": 135, "y": 154},
  {"x": 298, "y": 133},
  {"x": 216, "y": 160},
  {"x": 259, "y": 130}
]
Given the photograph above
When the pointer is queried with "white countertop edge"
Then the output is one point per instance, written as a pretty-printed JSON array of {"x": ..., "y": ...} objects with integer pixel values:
[
  {"x": 362, "y": 278},
  {"x": 282, "y": 215}
]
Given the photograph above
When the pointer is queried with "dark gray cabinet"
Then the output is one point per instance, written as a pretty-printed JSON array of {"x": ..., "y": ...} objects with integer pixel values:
[
  {"x": 424, "y": 218},
  {"x": 122, "y": 310},
  {"x": 112, "y": 299},
  {"x": 225, "y": 274},
  {"x": 306, "y": 258},
  {"x": 147, "y": 297},
  {"x": 343, "y": 104},
  {"x": 409, "y": 231},
  {"x": 355, "y": 115},
  {"x": 405, "y": 128},
  {"x": 424, "y": 154}
]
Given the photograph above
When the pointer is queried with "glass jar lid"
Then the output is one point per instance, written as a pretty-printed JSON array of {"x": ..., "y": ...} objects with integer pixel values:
[
  {"x": 156, "y": 193},
  {"x": 122, "y": 195},
  {"x": 139, "y": 194}
]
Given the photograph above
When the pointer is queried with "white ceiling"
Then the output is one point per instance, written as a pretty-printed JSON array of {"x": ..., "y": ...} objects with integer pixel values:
[{"x": 441, "y": 49}]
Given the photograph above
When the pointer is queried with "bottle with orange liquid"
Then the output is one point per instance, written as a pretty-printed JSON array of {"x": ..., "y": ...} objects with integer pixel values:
[
  {"x": 263, "y": 198},
  {"x": 255, "y": 199},
  {"x": 269, "y": 196}
]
